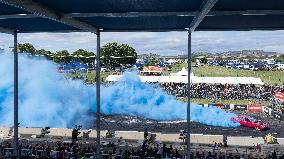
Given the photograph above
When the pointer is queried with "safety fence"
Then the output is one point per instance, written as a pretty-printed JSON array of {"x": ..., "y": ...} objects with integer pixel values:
[
  {"x": 268, "y": 148},
  {"x": 30, "y": 153}
]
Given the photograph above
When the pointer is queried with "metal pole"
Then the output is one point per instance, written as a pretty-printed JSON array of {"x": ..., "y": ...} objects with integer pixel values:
[
  {"x": 188, "y": 93},
  {"x": 98, "y": 85},
  {"x": 16, "y": 89}
]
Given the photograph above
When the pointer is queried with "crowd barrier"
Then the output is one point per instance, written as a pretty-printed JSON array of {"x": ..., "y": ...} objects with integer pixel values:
[
  {"x": 29, "y": 153},
  {"x": 240, "y": 107},
  {"x": 269, "y": 148},
  {"x": 252, "y": 107},
  {"x": 227, "y": 106},
  {"x": 246, "y": 141},
  {"x": 275, "y": 114}
]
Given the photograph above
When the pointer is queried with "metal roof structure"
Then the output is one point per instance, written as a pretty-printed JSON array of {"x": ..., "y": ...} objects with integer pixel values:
[{"x": 140, "y": 15}]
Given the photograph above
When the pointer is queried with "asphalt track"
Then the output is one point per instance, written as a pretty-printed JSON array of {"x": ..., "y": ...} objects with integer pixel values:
[{"x": 132, "y": 123}]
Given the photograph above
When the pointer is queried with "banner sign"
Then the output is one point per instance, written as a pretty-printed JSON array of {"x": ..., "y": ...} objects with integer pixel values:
[
  {"x": 255, "y": 107},
  {"x": 277, "y": 115},
  {"x": 221, "y": 106},
  {"x": 266, "y": 110},
  {"x": 279, "y": 96},
  {"x": 240, "y": 107}
]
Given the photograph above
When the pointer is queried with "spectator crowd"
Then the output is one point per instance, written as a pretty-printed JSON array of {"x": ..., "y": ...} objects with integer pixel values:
[
  {"x": 61, "y": 150},
  {"x": 117, "y": 148},
  {"x": 223, "y": 91}
]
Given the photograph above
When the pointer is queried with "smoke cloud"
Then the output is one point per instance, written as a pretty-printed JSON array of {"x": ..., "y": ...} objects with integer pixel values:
[{"x": 48, "y": 98}]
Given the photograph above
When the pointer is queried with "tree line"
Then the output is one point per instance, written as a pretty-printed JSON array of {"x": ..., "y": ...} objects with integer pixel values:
[{"x": 112, "y": 54}]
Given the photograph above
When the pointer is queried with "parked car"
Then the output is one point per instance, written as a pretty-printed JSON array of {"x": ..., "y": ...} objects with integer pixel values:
[{"x": 280, "y": 66}]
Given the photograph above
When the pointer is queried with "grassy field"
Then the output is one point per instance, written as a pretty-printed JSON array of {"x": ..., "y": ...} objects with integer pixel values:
[
  {"x": 268, "y": 77},
  {"x": 91, "y": 77}
]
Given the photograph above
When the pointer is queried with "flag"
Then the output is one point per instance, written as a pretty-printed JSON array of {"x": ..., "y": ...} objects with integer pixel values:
[{"x": 279, "y": 96}]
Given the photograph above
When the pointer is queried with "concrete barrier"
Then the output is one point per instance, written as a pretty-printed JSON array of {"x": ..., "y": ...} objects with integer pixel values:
[
  {"x": 130, "y": 135},
  {"x": 4, "y": 132},
  {"x": 206, "y": 139},
  {"x": 244, "y": 141},
  {"x": 63, "y": 133},
  {"x": 280, "y": 141},
  {"x": 29, "y": 131}
]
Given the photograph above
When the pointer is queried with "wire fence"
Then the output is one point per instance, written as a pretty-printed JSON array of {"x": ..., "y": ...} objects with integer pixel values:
[
  {"x": 8, "y": 153},
  {"x": 29, "y": 153}
]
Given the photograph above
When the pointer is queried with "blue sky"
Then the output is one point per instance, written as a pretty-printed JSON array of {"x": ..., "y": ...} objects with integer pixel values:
[{"x": 166, "y": 43}]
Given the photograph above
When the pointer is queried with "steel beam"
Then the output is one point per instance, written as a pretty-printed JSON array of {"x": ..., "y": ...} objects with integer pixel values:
[
  {"x": 245, "y": 12},
  {"x": 169, "y": 30},
  {"x": 172, "y": 30},
  {"x": 98, "y": 97},
  {"x": 45, "y": 12},
  {"x": 132, "y": 14},
  {"x": 188, "y": 93},
  {"x": 241, "y": 29},
  {"x": 142, "y": 30},
  {"x": 188, "y": 14},
  {"x": 204, "y": 11},
  {"x": 153, "y": 14},
  {"x": 18, "y": 16},
  {"x": 16, "y": 90},
  {"x": 111, "y": 30}
]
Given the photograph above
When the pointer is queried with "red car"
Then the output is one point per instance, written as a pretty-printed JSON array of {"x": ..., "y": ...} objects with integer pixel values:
[{"x": 251, "y": 122}]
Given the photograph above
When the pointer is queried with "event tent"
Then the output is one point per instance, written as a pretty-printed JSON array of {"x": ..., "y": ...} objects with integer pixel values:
[
  {"x": 182, "y": 72},
  {"x": 193, "y": 79}
]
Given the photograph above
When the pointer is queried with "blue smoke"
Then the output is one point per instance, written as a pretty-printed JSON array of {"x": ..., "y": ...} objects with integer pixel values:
[{"x": 48, "y": 98}]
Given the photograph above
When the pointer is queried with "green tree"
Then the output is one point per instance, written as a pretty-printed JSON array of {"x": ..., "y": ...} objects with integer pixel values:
[
  {"x": 62, "y": 56},
  {"x": 280, "y": 58},
  {"x": 204, "y": 60},
  {"x": 43, "y": 52},
  {"x": 114, "y": 54},
  {"x": 152, "y": 62},
  {"x": 84, "y": 56},
  {"x": 26, "y": 48}
]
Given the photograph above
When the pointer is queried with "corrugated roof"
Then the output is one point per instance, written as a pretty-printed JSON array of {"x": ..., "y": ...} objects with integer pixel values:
[{"x": 140, "y": 15}]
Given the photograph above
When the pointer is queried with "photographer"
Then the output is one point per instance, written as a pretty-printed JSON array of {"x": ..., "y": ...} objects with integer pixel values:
[
  {"x": 146, "y": 134},
  {"x": 44, "y": 131},
  {"x": 76, "y": 132}
]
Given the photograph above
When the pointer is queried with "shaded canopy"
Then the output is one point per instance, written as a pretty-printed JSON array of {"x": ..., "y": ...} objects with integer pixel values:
[{"x": 139, "y": 15}]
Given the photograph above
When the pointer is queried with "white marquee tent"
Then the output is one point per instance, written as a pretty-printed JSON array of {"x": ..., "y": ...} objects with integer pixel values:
[{"x": 194, "y": 79}]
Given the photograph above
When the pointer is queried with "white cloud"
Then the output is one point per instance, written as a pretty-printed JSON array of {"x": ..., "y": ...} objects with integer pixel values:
[{"x": 162, "y": 43}]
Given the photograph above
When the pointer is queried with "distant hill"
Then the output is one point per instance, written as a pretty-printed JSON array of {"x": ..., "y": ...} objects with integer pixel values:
[{"x": 243, "y": 53}]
